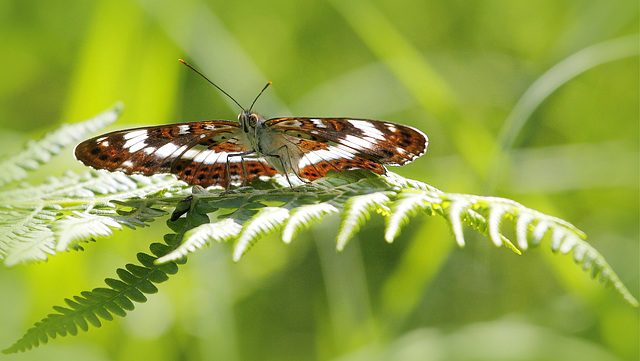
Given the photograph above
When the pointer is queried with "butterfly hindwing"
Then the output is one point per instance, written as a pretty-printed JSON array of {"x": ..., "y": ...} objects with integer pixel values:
[{"x": 210, "y": 168}]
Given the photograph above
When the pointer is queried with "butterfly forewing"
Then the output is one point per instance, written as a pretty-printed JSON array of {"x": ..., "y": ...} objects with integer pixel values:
[
  {"x": 338, "y": 144},
  {"x": 195, "y": 152}
]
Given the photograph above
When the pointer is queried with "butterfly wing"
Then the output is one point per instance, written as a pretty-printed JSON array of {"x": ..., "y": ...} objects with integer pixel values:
[
  {"x": 325, "y": 144},
  {"x": 196, "y": 152}
]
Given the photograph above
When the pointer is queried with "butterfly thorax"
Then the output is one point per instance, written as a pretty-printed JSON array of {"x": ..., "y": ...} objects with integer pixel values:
[{"x": 262, "y": 139}]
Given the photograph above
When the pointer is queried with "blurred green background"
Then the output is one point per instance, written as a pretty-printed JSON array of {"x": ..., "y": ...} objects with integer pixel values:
[{"x": 535, "y": 101}]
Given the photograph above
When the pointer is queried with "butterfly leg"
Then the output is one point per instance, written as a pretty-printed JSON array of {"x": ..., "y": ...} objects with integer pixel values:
[
  {"x": 279, "y": 158},
  {"x": 244, "y": 168},
  {"x": 245, "y": 180}
]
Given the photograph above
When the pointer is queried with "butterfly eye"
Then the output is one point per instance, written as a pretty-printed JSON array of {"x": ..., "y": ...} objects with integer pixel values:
[{"x": 253, "y": 120}]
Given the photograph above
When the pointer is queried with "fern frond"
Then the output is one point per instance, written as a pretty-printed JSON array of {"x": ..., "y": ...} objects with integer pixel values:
[
  {"x": 39, "y": 152},
  {"x": 133, "y": 283},
  {"x": 357, "y": 193}
]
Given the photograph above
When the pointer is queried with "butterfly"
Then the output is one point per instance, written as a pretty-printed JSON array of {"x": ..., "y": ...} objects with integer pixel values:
[{"x": 225, "y": 153}]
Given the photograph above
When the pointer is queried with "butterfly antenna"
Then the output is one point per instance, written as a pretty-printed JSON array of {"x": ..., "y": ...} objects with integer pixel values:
[
  {"x": 262, "y": 91},
  {"x": 212, "y": 83}
]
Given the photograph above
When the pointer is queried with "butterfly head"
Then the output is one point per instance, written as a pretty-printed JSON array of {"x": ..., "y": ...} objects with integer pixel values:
[{"x": 249, "y": 121}]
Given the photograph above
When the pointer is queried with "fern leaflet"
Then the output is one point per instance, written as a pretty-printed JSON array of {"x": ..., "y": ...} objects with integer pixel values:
[
  {"x": 265, "y": 221},
  {"x": 303, "y": 216},
  {"x": 356, "y": 212}
]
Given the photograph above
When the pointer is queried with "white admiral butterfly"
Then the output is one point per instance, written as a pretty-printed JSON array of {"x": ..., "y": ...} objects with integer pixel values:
[{"x": 222, "y": 152}]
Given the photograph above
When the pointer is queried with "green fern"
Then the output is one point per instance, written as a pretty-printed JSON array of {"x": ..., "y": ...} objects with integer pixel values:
[
  {"x": 32, "y": 216},
  {"x": 134, "y": 281},
  {"x": 254, "y": 213},
  {"x": 63, "y": 212}
]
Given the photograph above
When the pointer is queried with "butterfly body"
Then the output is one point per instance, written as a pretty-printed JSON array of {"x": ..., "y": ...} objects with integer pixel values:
[{"x": 263, "y": 141}]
